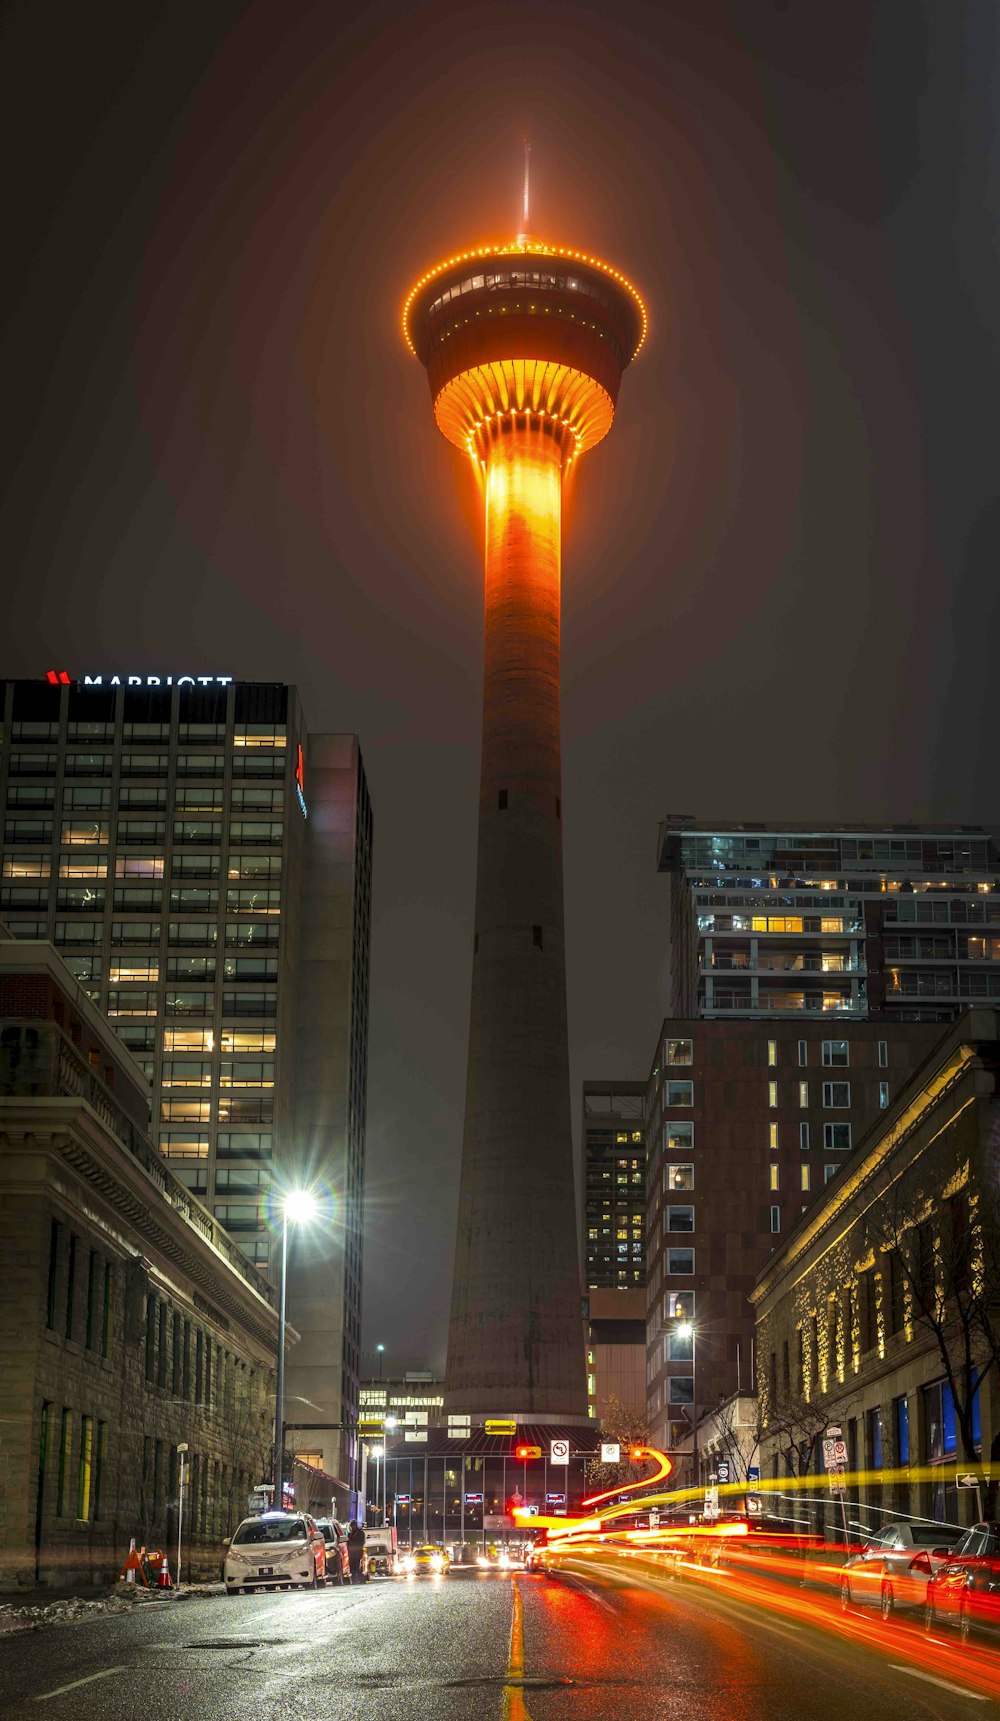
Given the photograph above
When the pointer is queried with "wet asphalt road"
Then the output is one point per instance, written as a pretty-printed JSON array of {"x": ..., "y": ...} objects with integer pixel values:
[{"x": 601, "y": 1643}]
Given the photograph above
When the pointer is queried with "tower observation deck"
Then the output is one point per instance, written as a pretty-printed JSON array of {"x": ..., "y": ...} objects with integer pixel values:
[{"x": 524, "y": 347}]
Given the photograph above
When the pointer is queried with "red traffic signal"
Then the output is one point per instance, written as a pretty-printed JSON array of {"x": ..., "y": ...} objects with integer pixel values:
[
  {"x": 526, "y": 1452},
  {"x": 637, "y": 1452}
]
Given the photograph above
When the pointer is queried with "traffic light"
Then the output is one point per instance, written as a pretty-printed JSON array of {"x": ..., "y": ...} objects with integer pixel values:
[
  {"x": 524, "y": 1453},
  {"x": 637, "y": 1453}
]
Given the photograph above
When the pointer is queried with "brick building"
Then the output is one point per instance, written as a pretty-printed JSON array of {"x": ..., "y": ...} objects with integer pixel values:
[
  {"x": 909, "y": 1228},
  {"x": 746, "y": 1124},
  {"x": 130, "y": 1320}
]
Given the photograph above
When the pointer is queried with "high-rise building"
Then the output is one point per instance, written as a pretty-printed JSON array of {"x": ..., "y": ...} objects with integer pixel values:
[
  {"x": 893, "y": 923},
  {"x": 614, "y": 1180},
  {"x": 747, "y": 1124},
  {"x": 204, "y": 867},
  {"x": 614, "y": 1241},
  {"x": 524, "y": 347}
]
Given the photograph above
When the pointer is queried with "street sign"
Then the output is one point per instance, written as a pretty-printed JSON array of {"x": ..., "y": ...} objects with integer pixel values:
[
  {"x": 555, "y": 1499},
  {"x": 402, "y": 1499},
  {"x": 722, "y": 1470},
  {"x": 611, "y": 1452},
  {"x": 753, "y": 1474},
  {"x": 970, "y": 1481},
  {"x": 473, "y": 1499},
  {"x": 501, "y": 1425},
  {"x": 559, "y": 1452},
  {"x": 711, "y": 1502},
  {"x": 654, "y": 1520}
]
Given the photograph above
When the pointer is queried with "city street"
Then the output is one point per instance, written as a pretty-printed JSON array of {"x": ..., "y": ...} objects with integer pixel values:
[{"x": 605, "y": 1641}]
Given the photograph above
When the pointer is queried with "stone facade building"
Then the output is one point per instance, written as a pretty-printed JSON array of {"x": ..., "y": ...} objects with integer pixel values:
[
  {"x": 130, "y": 1321},
  {"x": 870, "y": 1307}
]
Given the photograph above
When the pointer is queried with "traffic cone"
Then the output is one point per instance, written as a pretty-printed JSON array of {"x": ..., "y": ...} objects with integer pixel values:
[{"x": 163, "y": 1581}]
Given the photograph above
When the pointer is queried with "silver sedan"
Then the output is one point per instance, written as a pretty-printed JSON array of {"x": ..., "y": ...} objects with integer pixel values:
[{"x": 893, "y": 1569}]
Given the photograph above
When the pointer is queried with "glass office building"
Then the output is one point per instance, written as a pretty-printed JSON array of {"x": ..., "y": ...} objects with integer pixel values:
[{"x": 203, "y": 865}]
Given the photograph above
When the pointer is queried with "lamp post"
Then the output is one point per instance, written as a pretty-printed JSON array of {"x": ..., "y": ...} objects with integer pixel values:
[
  {"x": 380, "y": 1353},
  {"x": 181, "y": 1455},
  {"x": 297, "y": 1208},
  {"x": 685, "y": 1330},
  {"x": 377, "y": 1454}
]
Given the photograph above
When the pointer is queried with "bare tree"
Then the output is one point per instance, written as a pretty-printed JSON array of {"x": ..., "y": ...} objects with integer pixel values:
[
  {"x": 628, "y": 1426},
  {"x": 939, "y": 1249},
  {"x": 736, "y": 1437}
]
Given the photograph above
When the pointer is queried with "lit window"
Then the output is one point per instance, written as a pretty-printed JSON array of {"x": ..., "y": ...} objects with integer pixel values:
[
  {"x": 139, "y": 866},
  {"x": 137, "y": 969},
  {"x": 677, "y": 1177},
  {"x": 185, "y": 1111},
  {"x": 772, "y": 1051},
  {"x": 26, "y": 866},
  {"x": 832, "y": 923},
  {"x": 774, "y": 1177},
  {"x": 260, "y": 735},
  {"x": 772, "y": 1135},
  {"x": 776, "y": 923},
  {"x": 803, "y": 1094},
  {"x": 83, "y": 866},
  {"x": 248, "y": 1040},
  {"x": 84, "y": 832},
  {"x": 188, "y": 1040},
  {"x": 186, "y": 1073},
  {"x": 678, "y": 1052},
  {"x": 678, "y": 1136},
  {"x": 680, "y": 1305},
  {"x": 772, "y": 1095},
  {"x": 183, "y": 1144}
]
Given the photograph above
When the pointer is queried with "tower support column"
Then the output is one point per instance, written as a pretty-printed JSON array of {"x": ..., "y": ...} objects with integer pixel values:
[{"x": 516, "y": 1311}]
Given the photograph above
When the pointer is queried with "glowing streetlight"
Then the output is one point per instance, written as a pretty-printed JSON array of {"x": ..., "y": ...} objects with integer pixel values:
[
  {"x": 298, "y": 1207},
  {"x": 684, "y": 1329}
]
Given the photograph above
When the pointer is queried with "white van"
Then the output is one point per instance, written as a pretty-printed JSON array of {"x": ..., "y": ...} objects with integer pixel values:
[{"x": 277, "y": 1550}]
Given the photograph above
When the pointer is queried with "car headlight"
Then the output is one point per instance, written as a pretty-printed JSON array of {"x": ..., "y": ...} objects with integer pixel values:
[
  {"x": 408, "y": 1562},
  {"x": 437, "y": 1563},
  {"x": 481, "y": 1560}
]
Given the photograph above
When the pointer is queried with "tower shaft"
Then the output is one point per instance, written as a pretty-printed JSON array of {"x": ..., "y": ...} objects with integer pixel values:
[{"x": 516, "y": 1312}]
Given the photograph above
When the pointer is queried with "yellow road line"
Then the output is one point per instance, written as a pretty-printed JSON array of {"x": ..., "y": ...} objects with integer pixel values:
[{"x": 514, "y": 1706}]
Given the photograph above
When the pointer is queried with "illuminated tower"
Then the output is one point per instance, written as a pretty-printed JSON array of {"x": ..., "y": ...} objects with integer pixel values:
[{"x": 524, "y": 347}]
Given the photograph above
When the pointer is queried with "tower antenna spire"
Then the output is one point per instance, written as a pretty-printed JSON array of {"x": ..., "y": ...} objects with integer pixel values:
[{"x": 527, "y": 188}]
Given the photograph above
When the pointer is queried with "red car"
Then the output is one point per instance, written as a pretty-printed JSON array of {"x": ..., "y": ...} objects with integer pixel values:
[{"x": 965, "y": 1590}]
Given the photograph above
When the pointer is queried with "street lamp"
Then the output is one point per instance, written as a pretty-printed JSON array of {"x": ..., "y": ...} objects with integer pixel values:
[
  {"x": 297, "y": 1208},
  {"x": 378, "y": 1453},
  {"x": 380, "y": 1353},
  {"x": 685, "y": 1330}
]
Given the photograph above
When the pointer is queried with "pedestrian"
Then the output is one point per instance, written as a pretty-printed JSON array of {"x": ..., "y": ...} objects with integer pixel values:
[{"x": 356, "y": 1552}]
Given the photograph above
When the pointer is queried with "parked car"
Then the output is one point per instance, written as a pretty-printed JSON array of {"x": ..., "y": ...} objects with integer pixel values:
[
  {"x": 965, "y": 1590},
  {"x": 893, "y": 1569},
  {"x": 276, "y": 1550},
  {"x": 428, "y": 1558},
  {"x": 338, "y": 1568}
]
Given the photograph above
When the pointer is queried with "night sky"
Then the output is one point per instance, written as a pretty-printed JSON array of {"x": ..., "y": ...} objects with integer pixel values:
[{"x": 780, "y": 570}]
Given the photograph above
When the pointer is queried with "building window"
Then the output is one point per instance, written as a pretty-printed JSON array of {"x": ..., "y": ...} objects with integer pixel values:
[
  {"x": 803, "y": 1094},
  {"x": 901, "y": 1417},
  {"x": 100, "y": 1465},
  {"x": 773, "y": 1172},
  {"x": 830, "y": 1171},
  {"x": 680, "y": 1219},
  {"x": 772, "y": 1137},
  {"x": 875, "y": 1438},
  {"x": 678, "y": 1052},
  {"x": 680, "y": 1348},
  {"x": 835, "y": 1052},
  {"x": 680, "y": 1389},
  {"x": 70, "y": 1285},
  {"x": 772, "y": 1052},
  {"x": 883, "y": 1054},
  {"x": 837, "y": 1136},
  {"x": 883, "y": 1094},
  {"x": 805, "y": 1177},
  {"x": 772, "y": 1095},
  {"x": 680, "y": 1261},
  {"x": 775, "y": 1218},
  {"x": 678, "y": 1136},
  {"x": 836, "y": 1095},
  {"x": 55, "y": 1249},
  {"x": 939, "y": 1415},
  {"x": 804, "y": 1136},
  {"x": 679, "y": 1094},
  {"x": 65, "y": 1457},
  {"x": 85, "y": 1477},
  {"x": 680, "y": 1305},
  {"x": 803, "y": 1052},
  {"x": 677, "y": 1177}
]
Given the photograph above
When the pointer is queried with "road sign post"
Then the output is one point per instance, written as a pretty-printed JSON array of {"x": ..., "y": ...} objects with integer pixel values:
[
  {"x": 835, "y": 1463},
  {"x": 559, "y": 1452}
]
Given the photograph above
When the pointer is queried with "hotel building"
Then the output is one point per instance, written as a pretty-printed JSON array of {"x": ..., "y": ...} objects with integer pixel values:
[{"x": 203, "y": 865}]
